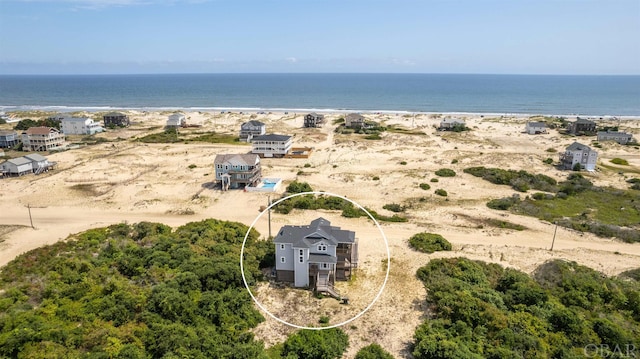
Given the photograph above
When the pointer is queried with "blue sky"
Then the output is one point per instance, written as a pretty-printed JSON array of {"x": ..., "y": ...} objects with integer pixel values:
[{"x": 222, "y": 36}]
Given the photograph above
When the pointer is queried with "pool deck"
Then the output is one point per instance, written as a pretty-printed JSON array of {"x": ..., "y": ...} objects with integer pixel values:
[{"x": 273, "y": 184}]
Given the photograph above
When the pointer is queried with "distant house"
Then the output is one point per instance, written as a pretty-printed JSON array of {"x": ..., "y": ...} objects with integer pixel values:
[
  {"x": 449, "y": 124},
  {"x": 79, "y": 126},
  {"x": 271, "y": 145},
  {"x": 535, "y": 128},
  {"x": 9, "y": 139},
  {"x": 250, "y": 129},
  {"x": 355, "y": 120},
  {"x": 116, "y": 119},
  {"x": 16, "y": 167},
  {"x": 313, "y": 120},
  {"x": 621, "y": 137},
  {"x": 581, "y": 126},
  {"x": 42, "y": 139},
  {"x": 39, "y": 163},
  {"x": 237, "y": 170},
  {"x": 315, "y": 255},
  {"x": 176, "y": 120},
  {"x": 577, "y": 153}
]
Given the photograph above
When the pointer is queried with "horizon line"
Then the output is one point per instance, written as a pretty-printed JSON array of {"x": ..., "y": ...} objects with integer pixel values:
[{"x": 311, "y": 73}]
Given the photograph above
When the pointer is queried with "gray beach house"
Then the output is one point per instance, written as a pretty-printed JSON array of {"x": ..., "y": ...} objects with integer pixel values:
[
  {"x": 237, "y": 170},
  {"x": 316, "y": 255},
  {"x": 577, "y": 153},
  {"x": 250, "y": 129}
]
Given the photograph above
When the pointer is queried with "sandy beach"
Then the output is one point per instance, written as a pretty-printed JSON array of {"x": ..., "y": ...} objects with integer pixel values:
[{"x": 127, "y": 181}]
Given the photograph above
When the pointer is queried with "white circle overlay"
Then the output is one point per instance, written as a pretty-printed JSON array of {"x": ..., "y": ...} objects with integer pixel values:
[{"x": 300, "y": 326}]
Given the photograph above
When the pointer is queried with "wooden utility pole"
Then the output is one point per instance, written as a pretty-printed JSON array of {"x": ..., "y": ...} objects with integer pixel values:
[
  {"x": 269, "y": 213},
  {"x": 30, "y": 218},
  {"x": 554, "y": 237}
]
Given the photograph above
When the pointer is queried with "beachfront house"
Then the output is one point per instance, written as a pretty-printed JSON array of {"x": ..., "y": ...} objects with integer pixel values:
[
  {"x": 79, "y": 126},
  {"x": 176, "y": 120},
  {"x": 313, "y": 120},
  {"x": 535, "y": 128},
  {"x": 237, "y": 170},
  {"x": 315, "y": 255},
  {"x": 9, "y": 139},
  {"x": 451, "y": 124},
  {"x": 355, "y": 120},
  {"x": 577, "y": 153},
  {"x": 250, "y": 129},
  {"x": 271, "y": 145},
  {"x": 621, "y": 137},
  {"x": 581, "y": 126},
  {"x": 16, "y": 167},
  {"x": 42, "y": 139},
  {"x": 116, "y": 119}
]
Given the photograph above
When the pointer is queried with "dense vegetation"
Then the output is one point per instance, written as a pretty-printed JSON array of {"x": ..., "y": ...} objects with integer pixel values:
[
  {"x": 145, "y": 291},
  {"x": 373, "y": 351},
  {"x": 25, "y": 124},
  {"x": 574, "y": 203},
  {"x": 521, "y": 181},
  {"x": 483, "y": 310},
  {"x": 313, "y": 202},
  {"x": 445, "y": 172},
  {"x": 172, "y": 135},
  {"x": 429, "y": 242}
]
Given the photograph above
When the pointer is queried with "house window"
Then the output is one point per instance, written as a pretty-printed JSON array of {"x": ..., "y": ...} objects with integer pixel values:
[
  {"x": 322, "y": 247},
  {"x": 282, "y": 260},
  {"x": 282, "y": 246},
  {"x": 301, "y": 252},
  {"x": 301, "y": 259},
  {"x": 325, "y": 265}
]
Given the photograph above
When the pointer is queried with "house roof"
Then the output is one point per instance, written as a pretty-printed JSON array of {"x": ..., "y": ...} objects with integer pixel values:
[
  {"x": 237, "y": 159},
  {"x": 272, "y": 137},
  {"x": 318, "y": 230},
  {"x": 176, "y": 116},
  {"x": 41, "y": 130},
  {"x": 252, "y": 123},
  {"x": 614, "y": 133},
  {"x": 584, "y": 120},
  {"x": 355, "y": 117},
  {"x": 35, "y": 157},
  {"x": 114, "y": 114},
  {"x": 75, "y": 119},
  {"x": 577, "y": 146},
  {"x": 536, "y": 124},
  {"x": 19, "y": 161},
  {"x": 7, "y": 133},
  {"x": 314, "y": 114},
  {"x": 322, "y": 258}
]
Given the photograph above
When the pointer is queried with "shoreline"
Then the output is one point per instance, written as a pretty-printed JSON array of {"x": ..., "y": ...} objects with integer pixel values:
[{"x": 7, "y": 110}]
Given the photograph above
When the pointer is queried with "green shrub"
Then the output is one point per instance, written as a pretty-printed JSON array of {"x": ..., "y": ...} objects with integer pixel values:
[
  {"x": 551, "y": 150},
  {"x": 548, "y": 160},
  {"x": 192, "y": 166},
  {"x": 307, "y": 165},
  {"x": 394, "y": 207},
  {"x": 502, "y": 204},
  {"x": 429, "y": 242},
  {"x": 425, "y": 186},
  {"x": 433, "y": 180},
  {"x": 316, "y": 344},
  {"x": 441, "y": 192},
  {"x": 403, "y": 163},
  {"x": 299, "y": 187},
  {"x": 376, "y": 178},
  {"x": 619, "y": 161},
  {"x": 373, "y": 351},
  {"x": 445, "y": 172},
  {"x": 324, "y": 320},
  {"x": 454, "y": 161}
]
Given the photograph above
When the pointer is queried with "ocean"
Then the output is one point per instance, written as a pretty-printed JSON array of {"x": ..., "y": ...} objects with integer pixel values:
[{"x": 431, "y": 93}]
